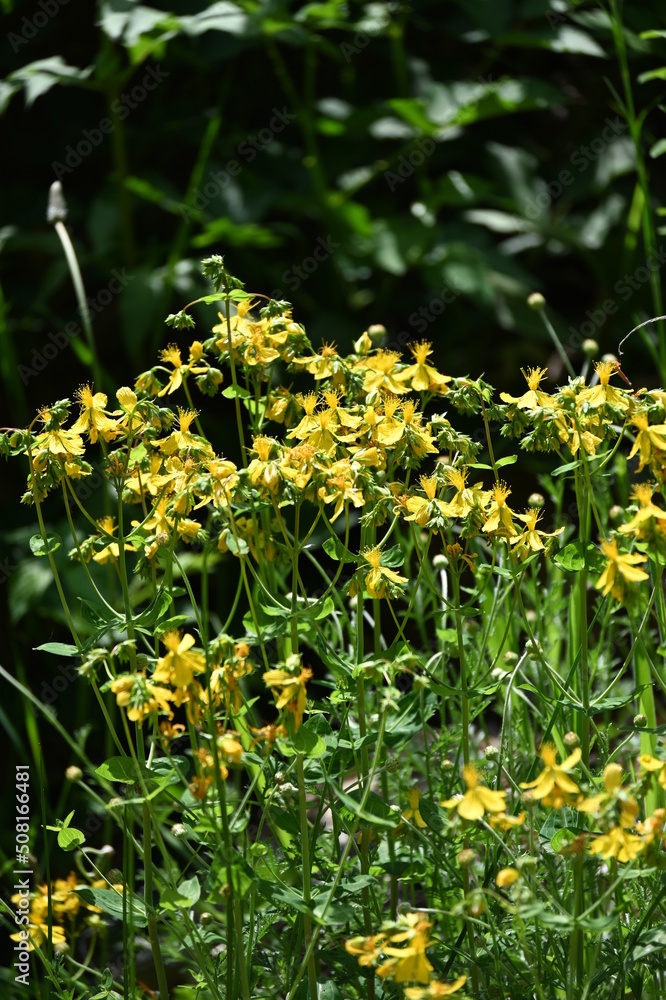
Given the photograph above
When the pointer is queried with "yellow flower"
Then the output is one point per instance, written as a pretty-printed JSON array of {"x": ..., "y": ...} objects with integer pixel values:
[
  {"x": 434, "y": 989},
  {"x": 554, "y": 785},
  {"x": 533, "y": 398},
  {"x": 502, "y": 821},
  {"x": 92, "y": 418},
  {"x": 647, "y": 439},
  {"x": 478, "y": 799},
  {"x": 408, "y": 964},
  {"x": 290, "y": 688},
  {"x": 617, "y": 843},
  {"x": 413, "y": 813},
  {"x": 424, "y": 509},
  {"x": 647, "y": 511},
  {"x": 381, "y": 373},
  {"x": 506, "y": 877},
  {"x": 466, "y": 498},
  {"x": 424, "y": 377},
  {"x": 182, "y": 439},
  {"x": 379, "y": 577},
  {"x": 499, "y": 515},
  {"x": 367, "y": 949},
  {"x": 649, "y": 763},
  {"x": 529, "y": 540},
  {"x": 172, "y": 355},
  {"x": 141, "y": 695},
  {"x": 621, "y": 568},
  {"x": 179, "y": 665},
  {"x": 111, "y": 551},
  {"x": 602, "y": 393}
]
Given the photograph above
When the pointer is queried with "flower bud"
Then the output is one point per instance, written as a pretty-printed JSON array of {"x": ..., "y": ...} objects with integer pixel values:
[
  {"x": 536, "y": 301},
  {"x": 74, "y": 774},
  {"x": 506, "y": 877},
  {"x": 376, "y": 332},
  {"x": 466, "y": 858},
  {"x": 178, "y": 830},
  {"x": 491, "y": 753},
  {"x": 536, "y": 500},
  {"x": 533, "y": 649},
  {"x": 392, "y": 765},
  {"x": 640, "y": 720},
  {"x": 440, "y": 561},
  {"x": 616, "y": 513},
  {"x": 510, "y": 658},
  {"x": 610, "y": 358},
  {"x": 571, "y": 740},
  {"x": 446, "y": 765},
  {"x": 590, "y": 348}
]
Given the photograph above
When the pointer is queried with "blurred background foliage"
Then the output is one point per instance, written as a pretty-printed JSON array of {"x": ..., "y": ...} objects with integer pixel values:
[{"x": 425, "y": 166}]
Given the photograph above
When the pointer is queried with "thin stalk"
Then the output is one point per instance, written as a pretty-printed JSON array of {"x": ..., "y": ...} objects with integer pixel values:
[{"x": 307, "y": 875}]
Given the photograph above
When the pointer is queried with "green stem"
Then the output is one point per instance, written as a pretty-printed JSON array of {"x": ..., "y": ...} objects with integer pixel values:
[{"x": 307, "y": 875}]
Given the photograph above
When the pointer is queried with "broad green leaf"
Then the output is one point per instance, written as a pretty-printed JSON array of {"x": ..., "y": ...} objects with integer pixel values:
[
  {"x": 303, "y": 742},
  {"x": 45, "y": 546},
  {"x": 111, "y": 902},
  {"x": 69, "y": 838},
  {"x": 58, "y": 649},
  {"x": 184, "y": 896},
  {"x": 121, "y": 769}
]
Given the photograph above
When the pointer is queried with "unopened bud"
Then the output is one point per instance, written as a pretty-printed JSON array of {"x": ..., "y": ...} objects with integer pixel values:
[
  {"x": 590, "y": 348},
  {"x": 533, "y": 649},
  {"x": 571, "y": 740},
  {"x": 640, "y": 720},
  {"x": 376, "y": 332},
  {"x": 392, "y": 765},
  {"x": 536, "y": 301},
  {"x": 616, "y": 513},
  {"x": 510, "y": 658},
  {"x": 178, "y": 830},
  {"x": 440, "y": 561},
  {"x": 74, "y": 773},
  {"x": 280, "y": 777},
  {"x": 491, "y": 753},
  {"x": 610, "y": 359},
  {"x": 536, "y": 500},
  {"x": 466, "y": 858},
  {"x": 446, "y": 765}
]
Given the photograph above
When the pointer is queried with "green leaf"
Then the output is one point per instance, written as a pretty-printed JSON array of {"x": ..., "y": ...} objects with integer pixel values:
[
  {"x": 183, "y": 897},
  {"x": 649, "y": 942},
  {"x": 69, "y": 838},
  {"x": 57, "y": 648},
  {"x": 111, "y": 902},
  {"x": 659, "y": 147},
  {"x": 376, "y": 813},
  {"x": 334, "y": 548},
  {"x": 303, "y": 742},
  {"x": 432, "y": 814},
  {"x": 44, "y": 547},
  {"x": 121, "y": 769},
  {"x": 571, "y": 559},
  {"x": 235, "y": 390}
]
